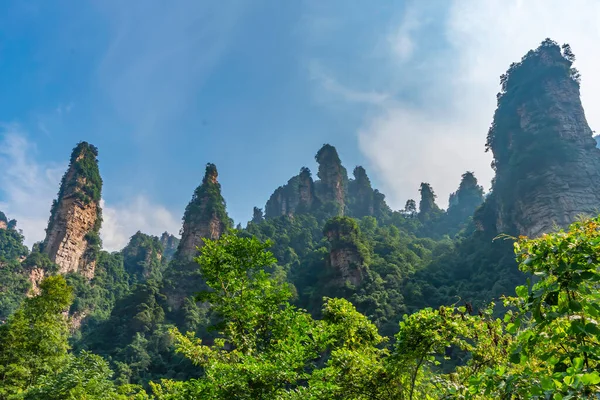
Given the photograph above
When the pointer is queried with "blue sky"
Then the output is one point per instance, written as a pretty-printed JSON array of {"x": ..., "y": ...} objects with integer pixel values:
[{"x": 404, "y": 88}]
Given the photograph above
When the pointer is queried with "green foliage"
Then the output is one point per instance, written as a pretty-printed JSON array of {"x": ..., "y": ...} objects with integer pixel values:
[
  {"x": 33, "y": 342},
  {"x": 463, "y": 203},
  {"x": 11, "y": 245},
  {"x": 207, "y": 202},
  {"x": 96, "y": 298},
  {"x": 86, "y": 376},
  {"x": 557, "y": 338},
  {"x": 428, "y": 209},
  {"x": 13, "y": 282},
  {"x": 143, "y": 258}
]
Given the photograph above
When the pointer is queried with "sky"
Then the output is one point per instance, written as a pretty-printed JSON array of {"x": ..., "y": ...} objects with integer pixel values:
[{"x": 406, "y": 89}]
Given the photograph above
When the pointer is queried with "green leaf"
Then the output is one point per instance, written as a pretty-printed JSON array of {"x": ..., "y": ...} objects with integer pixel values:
[
  {"x": 590, "y": 379},
  {"x": 575, "y": 305},
  {"x": 522, "y": 291},
  {"x": 547, "y": 383}
]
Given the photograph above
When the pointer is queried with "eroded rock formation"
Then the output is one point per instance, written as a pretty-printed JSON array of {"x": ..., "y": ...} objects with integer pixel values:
[
  {"x": 169, "y": 243},
  {"x": 205, "y": 216},
  {"x": 333, "y": 194},
  {"x": 546, "y": 161},
  {"x": 347, "y": 254},
  {"x": 72, "y": 240},
  {"x": 297, "y": 195},
  {"x": 333, "y": 177}
]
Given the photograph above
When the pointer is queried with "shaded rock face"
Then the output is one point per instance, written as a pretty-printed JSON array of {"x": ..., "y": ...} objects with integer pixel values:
[
  {"x": 361, "y": 194},
  {"x": 345, "y": 257},
  {"x": 306, "y": 189},
  {"x": 332, "y": 193},
  {"x": 333, "y": 177},
  {"x": 72, "y": 233},
  {"x": 205, "y": 216},
  {"x": 297, "y": 195},
  {"x": 169, "y": 243},
  {"x": 348, "y": 263},
  {"x": 546, "y": 161},
  {"x": 463, "y": 203}
]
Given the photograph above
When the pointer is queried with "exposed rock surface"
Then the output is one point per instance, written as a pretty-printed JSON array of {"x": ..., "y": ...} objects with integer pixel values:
[
  {"x": 346, "y": 257},
  {"x": 3, "y": 221},
  {"x": 205, "y": 217},
  {"x": 72, "y": 234},
  {"x": 546, "y": 161},
  {"x": 333, "y": 190},
  {"x": 333, "y": 177},
  {"x": 361, "y": 194},
  {"x": 297, "y": 195},
  {"x": 36, "y": 276},
  {"x": 169, "y": 243}
]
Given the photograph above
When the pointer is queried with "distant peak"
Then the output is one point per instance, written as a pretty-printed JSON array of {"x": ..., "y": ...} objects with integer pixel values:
[{"x": 327, "y": 153}]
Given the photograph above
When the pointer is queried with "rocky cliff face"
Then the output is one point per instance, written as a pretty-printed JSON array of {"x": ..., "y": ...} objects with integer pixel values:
[
  {"x": 3, "y": 221},
  {"x": 205, "y": 216},
  {"x": 333, "y": 177},
  {"x": 333, "y": 191},
  {"x": 361, "y": 194},
  {"x": 346, "y": 255},
  {"x": 546, "y": 161},
  {"x": 72, "y": 240},
  {"x": 169, "y": 243},
  {"x": 463, "y": 203},
  {"x": 298, "y": 195}
]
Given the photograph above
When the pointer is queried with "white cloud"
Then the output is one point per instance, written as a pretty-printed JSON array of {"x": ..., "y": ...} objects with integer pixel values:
[
  {"x": 328, "y": 83},
  {"x": 401, "y": 41},
  {"x": 138, "y": 214},
  {"x": 27, "y": 188},
  {"x": 444, "y": 136}
]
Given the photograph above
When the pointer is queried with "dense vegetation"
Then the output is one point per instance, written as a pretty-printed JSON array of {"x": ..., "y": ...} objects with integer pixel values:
[{"x": 545, "y": 346}]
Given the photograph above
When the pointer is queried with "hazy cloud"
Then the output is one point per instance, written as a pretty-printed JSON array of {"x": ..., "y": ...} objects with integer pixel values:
[
  {"x": 160, "y": 54},
  {"x": 27, "y": 187},
  {"x": 328, "y": 83},
  {"x": 444, "y": 135}
]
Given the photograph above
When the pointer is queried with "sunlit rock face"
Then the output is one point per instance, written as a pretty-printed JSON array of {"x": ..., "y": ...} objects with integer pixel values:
[{"x": 72, "y": 233}]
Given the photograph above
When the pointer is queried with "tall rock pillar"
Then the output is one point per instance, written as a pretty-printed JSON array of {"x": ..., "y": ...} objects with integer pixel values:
[{"x": 72, "y": 237}]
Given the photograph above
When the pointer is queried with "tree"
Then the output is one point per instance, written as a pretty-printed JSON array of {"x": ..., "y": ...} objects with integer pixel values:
[
  {"x": 265, "y": 343},
  {"x": 410, "y": 208},
  {"x": 427, "y": 208},
  {"x": 257, "y": 215},
  {"x": 84, "y": 377},
  {"x": 33, "y": 342}
]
